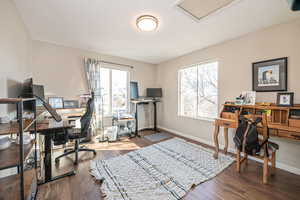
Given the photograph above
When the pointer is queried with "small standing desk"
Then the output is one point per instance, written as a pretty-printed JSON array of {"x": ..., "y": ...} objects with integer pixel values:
[{"x": 136, "y": 104}]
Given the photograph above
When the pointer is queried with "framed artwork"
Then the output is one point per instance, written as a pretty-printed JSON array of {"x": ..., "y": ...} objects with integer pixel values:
[
  {"x": 71, "y": 104},
  {"x": 285, "y": 99},
  {"x": 56, "y": 102},
  {"x": 270, "y": 75}
]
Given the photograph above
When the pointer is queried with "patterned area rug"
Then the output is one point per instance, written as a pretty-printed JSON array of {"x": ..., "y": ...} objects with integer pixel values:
[
  {"x": 163, "y": 171},
  {"x": 157, "y": 137}
]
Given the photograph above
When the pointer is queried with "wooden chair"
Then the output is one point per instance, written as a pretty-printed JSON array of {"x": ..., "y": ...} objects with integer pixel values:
[{"x": 268, "y": 153}]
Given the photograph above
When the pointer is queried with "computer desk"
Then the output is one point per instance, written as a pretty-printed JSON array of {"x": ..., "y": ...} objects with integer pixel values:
[
  {"x": 136, "y": 104},
  {"x": 47, "y": 128}
]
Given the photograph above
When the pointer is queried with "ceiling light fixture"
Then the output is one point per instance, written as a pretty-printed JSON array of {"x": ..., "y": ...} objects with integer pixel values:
[{"x": 147, "y": 23}]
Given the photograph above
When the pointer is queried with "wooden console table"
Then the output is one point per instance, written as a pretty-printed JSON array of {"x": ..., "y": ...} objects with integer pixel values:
[{"x": 283, "y": 122}]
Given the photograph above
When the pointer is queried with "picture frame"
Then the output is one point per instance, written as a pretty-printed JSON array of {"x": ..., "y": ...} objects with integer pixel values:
[
  {"x": 249, "y": 97},
  {"x": 56, "y": 102},
  {"x": 270, "y": 75},
  {"x": 285, "y": 99}
]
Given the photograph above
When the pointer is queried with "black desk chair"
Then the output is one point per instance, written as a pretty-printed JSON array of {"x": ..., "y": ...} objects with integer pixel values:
[{"x": 78, "y": 134}]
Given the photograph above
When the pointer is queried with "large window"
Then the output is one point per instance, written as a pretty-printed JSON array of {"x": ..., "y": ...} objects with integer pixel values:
[
  {"x": 198, "y": 91},
  {"x": 114, "y": 90}
]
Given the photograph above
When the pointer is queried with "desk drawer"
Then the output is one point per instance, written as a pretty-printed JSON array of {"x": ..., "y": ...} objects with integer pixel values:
[
  {"x": 228, "y": 115},
  {"x": 226, "y": 123},
  {"x": 288, "y": 134},
  {"x": 294, "y": 123}
]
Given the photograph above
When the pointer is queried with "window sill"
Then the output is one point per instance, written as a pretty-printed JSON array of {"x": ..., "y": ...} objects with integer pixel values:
[{"x": 206, "y": 119}]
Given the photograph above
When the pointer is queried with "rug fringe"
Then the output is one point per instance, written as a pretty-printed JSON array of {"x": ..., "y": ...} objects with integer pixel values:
[
  {"x": 94, "y": 172},
  {"x": 99, "y": 177}
]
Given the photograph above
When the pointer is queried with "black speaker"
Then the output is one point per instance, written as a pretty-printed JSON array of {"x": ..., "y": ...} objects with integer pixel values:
[{"x": 294, "y": 4}]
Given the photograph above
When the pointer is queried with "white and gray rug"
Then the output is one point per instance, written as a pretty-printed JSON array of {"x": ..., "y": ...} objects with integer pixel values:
[{"x": 163, "y": 171}]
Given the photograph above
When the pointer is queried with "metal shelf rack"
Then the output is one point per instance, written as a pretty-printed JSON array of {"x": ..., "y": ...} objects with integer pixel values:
[{"x": 9, "y": 160}]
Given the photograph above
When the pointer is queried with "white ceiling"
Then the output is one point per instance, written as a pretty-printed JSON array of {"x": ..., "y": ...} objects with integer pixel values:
[{"x": 108, "y": 26}]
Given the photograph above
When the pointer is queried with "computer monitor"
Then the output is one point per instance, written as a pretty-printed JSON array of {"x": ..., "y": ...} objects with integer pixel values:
[
  {"x": 38, "y": 90},
  {"x": 134, "y": 90},
  {"x": 294, "y": 4},
  {"x": 154, "y": 92},
  {"x": 30, "y": 90}
]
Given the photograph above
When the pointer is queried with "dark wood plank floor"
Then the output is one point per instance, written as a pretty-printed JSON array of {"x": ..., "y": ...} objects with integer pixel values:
[{"x": 227, "y": 185}]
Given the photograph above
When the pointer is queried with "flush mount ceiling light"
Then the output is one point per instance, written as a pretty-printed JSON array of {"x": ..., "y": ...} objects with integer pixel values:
[{"x": 147, "y": 23}]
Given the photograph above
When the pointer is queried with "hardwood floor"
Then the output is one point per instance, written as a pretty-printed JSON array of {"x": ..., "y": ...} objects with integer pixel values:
[{"x": 227, "y": 185}]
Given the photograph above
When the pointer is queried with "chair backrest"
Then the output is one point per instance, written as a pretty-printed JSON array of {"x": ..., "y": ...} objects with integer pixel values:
[{"x": 87, "y": 117}]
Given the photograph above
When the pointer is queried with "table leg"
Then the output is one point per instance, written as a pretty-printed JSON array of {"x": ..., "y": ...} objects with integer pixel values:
[
  {"x": 265, "y": 170},
  {"x": 216, "y": 140},
  {"x": 47, "y": 159},
  {"x": 226, "y": 140},
  {"x": 238, "y": 160},
  {"x": 155, "y": 116},
  {"x": 136, "y": 134}
]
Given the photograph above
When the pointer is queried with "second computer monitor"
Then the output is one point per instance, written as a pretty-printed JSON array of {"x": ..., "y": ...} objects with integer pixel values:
[
  {"x": 134, "y": 90},
  {"x": 154, "y": 92}
]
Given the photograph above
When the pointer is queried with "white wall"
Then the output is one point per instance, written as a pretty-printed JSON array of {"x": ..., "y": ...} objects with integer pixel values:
[
  {"x": 235, "y": 75},
  {"x": 60, "y": 69},
  {"x": 15, "y": 57},
  {"x": 15, "y": 51}
]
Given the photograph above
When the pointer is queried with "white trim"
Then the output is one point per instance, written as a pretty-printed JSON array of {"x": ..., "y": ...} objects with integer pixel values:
[
  {"x": 279, "y": 165},
  {"x": 198, "y": 118},
  {"x": 111, "y": 67},
  {"x": 110, "y": 90},
  {"x": 145, "y": 127},
  {"x": 200, "y": 62}
]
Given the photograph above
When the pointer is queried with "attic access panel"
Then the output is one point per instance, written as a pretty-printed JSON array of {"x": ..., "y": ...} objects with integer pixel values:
[{"x": 202, "y": 8}]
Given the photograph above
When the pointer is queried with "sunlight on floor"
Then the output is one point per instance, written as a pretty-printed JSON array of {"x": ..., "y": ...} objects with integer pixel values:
[{"x": 124, "y": 144}]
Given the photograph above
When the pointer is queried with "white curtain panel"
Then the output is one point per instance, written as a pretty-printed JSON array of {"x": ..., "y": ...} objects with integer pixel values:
[{"x": 92, "y": 68}]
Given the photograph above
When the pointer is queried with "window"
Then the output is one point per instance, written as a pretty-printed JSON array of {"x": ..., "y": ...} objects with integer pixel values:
[
  {"x": 198, "y": 91},
  {"x": 114, "y": 90}
]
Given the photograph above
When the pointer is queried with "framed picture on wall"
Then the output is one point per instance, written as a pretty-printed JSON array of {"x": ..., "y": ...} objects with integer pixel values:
[{"x": 270, "y": 75}]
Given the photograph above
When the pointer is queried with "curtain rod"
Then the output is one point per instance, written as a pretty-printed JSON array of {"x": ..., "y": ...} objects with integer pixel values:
[{"x": 112, "y": 63}]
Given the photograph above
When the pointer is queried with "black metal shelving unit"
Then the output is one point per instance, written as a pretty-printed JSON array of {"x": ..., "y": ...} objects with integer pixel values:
[{"x": 19, "y": 130}]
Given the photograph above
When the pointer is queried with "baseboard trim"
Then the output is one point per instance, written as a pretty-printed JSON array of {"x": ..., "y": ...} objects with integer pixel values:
[
  {"x": 143, "y": 128},
  {"x": 279, "y": 165}
]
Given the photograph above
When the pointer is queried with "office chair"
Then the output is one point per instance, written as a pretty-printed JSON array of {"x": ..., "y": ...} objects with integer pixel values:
[{"x": 78, "y": 134}]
